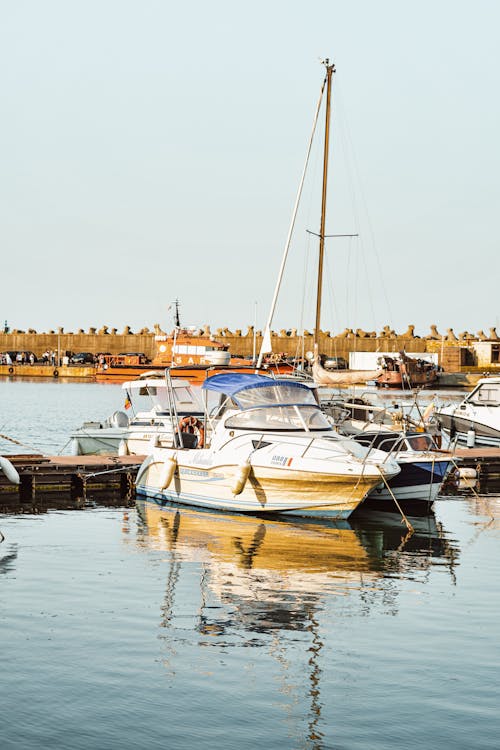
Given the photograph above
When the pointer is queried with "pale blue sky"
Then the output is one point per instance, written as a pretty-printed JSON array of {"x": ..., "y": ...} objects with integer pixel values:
[{"x": 152, "y": 150}]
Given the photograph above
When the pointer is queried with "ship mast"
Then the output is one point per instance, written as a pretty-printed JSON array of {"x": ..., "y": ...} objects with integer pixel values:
[
  {"x": 330, "y": 69},
  {"x": 177, "y": 319},
  {"x": 266, "y": 339}
]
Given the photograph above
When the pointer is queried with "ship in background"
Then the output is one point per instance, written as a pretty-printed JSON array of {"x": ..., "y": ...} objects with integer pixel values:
[{"x": 186, "y": 352}]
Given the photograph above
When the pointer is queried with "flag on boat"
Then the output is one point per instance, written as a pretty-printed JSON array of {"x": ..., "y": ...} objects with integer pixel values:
[{"x": 128, "y": 402}]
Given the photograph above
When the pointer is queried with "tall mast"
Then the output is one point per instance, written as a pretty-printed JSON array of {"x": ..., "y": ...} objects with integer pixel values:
[
  {"x": 266, "y": 339},
  {"x": 330, "y": 69}
]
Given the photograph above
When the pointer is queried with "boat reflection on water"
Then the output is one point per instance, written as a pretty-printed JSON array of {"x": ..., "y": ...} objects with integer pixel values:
[
  {"x": 8, "y": 557},
  {"x": 268, "y": 583},
  {"x": 270, "y": 572}
]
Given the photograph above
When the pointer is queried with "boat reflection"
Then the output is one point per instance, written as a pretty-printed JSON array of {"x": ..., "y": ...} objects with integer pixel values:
[
  {"x": 8, "y": 558},
  {"x": 264, "y": 581},
  {"x": 486, "y": 509},
  {"x": 270, "y": 571}
]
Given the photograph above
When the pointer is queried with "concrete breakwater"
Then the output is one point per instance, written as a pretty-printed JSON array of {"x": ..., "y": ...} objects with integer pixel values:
[{"x": 455, "y": 351}]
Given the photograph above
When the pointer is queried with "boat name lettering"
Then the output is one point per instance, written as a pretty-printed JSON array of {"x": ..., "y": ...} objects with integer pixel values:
[{"x": 194, "y": 472}]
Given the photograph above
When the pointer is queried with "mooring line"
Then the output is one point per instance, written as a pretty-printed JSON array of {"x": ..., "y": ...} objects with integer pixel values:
[
  {"x": 408, "y": 524},
  {"x": 110, "y": 471},
  {"x": 16, "y": 442}
]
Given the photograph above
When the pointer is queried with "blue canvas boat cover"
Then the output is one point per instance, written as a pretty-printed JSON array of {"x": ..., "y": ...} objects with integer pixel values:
[{"x": 231, "y": 383}]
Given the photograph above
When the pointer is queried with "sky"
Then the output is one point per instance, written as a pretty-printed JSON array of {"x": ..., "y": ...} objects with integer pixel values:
[{"x": 152, "y": 150}]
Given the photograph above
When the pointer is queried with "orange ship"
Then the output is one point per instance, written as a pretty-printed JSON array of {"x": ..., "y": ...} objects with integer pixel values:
[{"x": 187, "y": 354}]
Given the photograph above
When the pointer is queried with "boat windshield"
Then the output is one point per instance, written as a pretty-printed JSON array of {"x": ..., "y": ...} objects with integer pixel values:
[
  {"x": 156, "y": 396},
  {"x": 272, "y": 395},
  {"x": 279, "y": 418},
  {"x": 486, "y": 394},
  {"x": 382, "y": 441},
  {"x": 420, "y": 442}
]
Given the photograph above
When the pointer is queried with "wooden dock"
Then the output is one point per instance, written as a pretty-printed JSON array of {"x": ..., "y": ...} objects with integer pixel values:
[
  {"x": 485, "y": 462},
  {"x": 68, "y": 481}
]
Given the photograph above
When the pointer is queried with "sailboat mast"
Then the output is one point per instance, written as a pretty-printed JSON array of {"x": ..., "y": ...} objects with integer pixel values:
[
  {"x": 266, "y": 339},
  {"x": 330, "y": 69}
]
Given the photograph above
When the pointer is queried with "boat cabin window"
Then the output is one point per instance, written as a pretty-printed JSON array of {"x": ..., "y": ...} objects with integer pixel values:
[
  {"x": 274, "y": 394},
  {"x": 279, "y": 418},
  {"x": 148, "y": 396},
  {"x": 486, "y": 394},
  {"x": 382, "y": 441},
  {"x": 420, "y": 442}
]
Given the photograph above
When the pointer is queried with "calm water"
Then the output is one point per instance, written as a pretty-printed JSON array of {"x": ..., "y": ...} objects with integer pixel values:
[{"x": 149, "y": 628}]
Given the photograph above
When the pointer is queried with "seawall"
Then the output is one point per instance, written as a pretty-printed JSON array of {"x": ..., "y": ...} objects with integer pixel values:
[{"x": 454, "y": 351}]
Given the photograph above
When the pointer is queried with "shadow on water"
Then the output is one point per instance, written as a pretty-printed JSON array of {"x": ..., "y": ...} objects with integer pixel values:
[{"x": 260, "y": 579}]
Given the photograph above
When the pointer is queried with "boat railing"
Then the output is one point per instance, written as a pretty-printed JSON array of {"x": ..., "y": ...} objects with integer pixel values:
[{"x": 394, "y": 444}]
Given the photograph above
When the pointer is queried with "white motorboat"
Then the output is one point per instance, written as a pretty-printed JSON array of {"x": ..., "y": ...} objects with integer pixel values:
[
  {"x": 150, "y": 421},
  {"x": 476, "y": 419},
  {"x": 270, "y": 449},
  {"x": 423, "y": 466},
  {"x": 423, "y": 469}
]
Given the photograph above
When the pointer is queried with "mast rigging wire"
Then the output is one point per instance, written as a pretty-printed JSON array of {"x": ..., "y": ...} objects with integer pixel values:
[{"x": 267, "y": 331}]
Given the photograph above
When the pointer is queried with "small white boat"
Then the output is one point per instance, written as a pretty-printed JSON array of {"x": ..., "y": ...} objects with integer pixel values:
[
  {"x": 423, "y": 466},
  {"x": 476, "y": 419},
  {"x": 150, "y": 422},
  {"x": 270, "y": 450},
  {"x": 423, "y": 469}
]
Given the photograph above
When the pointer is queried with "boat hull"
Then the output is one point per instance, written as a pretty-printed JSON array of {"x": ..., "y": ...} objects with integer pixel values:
[
  {"x": 267, "y": 490},
  {"x": 104, "y": 442},
  {"x": 457, "y": 427},
  {"x": 415, "y": 488},
  {"x": 393, "y": 379}
]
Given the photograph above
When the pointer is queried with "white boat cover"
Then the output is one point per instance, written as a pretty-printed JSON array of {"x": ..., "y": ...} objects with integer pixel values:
[{"x": 341, "y": 377}]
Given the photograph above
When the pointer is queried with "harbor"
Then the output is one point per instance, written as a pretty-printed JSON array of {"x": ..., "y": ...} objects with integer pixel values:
[
  {"x": 306, "y": 616},
  {"x": 114, "y": 357},
  {"x": 249, "y": 376}
]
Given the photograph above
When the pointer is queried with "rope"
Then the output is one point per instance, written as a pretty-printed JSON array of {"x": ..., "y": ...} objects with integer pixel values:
[
  {"x": 408, "y": 524},
  {"x": 17, "y": 442},
  {"x": 118, "y": 470},
  {"x": 267, "y": 329},
  {"x": 432, "y": 477},
  {"x": 11, "y": 440},
  {"x": 64, "y": 446}
]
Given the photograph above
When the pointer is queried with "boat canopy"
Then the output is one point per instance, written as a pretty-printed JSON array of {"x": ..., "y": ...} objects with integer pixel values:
[{"x": 250, "y": 390}]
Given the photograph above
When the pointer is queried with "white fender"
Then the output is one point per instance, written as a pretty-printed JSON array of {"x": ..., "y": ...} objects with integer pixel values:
[
  {"x": 240, "y": 477},
  {"x": 467, "y": 484},
  {"x": 74, "y": 447},
  {"x": 467, "y": 473},
  {"x": 9, "y": 471},
  {"x": 123, "y": 448},
  {"x": 167, "y": 472}
]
